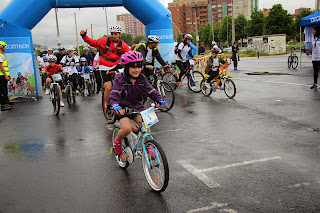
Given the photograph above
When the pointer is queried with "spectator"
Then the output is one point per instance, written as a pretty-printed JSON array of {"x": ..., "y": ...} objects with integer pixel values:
[
  {"x": 4, "y": 79},
  {"x": 202, "y": 49},
  {"x": 235, "y": 55}
]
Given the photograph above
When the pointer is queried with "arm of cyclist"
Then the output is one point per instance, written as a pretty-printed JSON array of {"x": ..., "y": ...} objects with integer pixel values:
[
  {"x": 190, "y": 53},
  {"x": 152, "y": 92},
  {"x": 91, "y": 42},
  {"x": 159, "y": 58},
  {"x": 115, "y": 94}
]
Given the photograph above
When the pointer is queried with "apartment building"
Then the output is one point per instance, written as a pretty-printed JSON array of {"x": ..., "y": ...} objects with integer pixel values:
[{"x": 130, "y": 25}]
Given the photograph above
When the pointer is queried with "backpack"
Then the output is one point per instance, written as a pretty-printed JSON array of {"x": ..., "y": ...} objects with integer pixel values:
[
  {"x": 176, "y": 48},
  {"x": 106, "y": 49},
  {"x": 138, "y": 45}
]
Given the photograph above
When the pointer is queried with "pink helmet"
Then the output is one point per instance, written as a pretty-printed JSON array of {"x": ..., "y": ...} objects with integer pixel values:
[{"x": 131, "y": 56}]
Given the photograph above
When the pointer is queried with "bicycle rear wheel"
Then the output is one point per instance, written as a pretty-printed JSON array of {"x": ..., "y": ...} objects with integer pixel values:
[
  {"x": 207, "y": 90},
  {"x": 158, "y": 173},
  {"x": 170, "y": 78},
  {"x": 229, "y": 88},
  {"x": 197, "y": 78},
  {"x": 295, "y": 62},
  {"x": 122, "y": 160},
  {"x": 108, "y": 113},
  {"x": 167, "y": 93},
  {"x": 68, "y": 95},
  {"x": 56, "y": 100},
  {"x": 289, "y": 62}
]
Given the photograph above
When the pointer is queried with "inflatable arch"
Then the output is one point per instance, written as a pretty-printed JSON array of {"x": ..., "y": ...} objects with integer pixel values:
[{"x": 20, "y": 17}]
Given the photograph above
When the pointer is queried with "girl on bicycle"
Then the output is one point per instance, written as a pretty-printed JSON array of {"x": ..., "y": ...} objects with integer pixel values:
[
  {"x": 127, "y": 91},
  {"x": 213, "y": 65},
  {"x": 83, "y": 68}
]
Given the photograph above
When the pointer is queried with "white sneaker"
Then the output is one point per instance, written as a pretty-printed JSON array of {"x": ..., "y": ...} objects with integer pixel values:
[
  {"x": 61, "y": 104},
  {"x": 207, "y": 85},
  {"x": 77, "y": 91},
  {"x": 193, "y": 87},
  {"x": 47, "y": 91}
]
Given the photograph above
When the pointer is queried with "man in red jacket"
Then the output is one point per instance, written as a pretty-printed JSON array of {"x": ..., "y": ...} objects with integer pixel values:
[{"x": 111, "y": 48}]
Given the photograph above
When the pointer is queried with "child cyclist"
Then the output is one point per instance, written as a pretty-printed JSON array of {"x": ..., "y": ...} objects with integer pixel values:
[
  {"x": 52, "y": 69},
  {"x": 82, "y": 69},
  {"x": 213, "y": 65},
  {"x": 127, "y": 91}
]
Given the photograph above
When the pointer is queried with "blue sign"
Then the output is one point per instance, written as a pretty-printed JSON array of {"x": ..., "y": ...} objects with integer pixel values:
[
  {"x": 135, "y": 20},
  {"x": 18, "y": 44}
]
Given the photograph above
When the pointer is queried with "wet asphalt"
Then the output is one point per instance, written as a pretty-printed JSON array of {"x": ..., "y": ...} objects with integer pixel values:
[{"x": 259, "y": 152}]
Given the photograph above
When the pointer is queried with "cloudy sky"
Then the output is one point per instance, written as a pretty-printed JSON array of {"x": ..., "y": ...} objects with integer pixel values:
[{"x": 45, "y": 32}]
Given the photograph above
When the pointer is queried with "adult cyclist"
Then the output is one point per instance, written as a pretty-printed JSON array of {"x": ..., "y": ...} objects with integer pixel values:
[
  {"x": 86, "y": 54},
  {"x": 111, "y": 48},
  {"x": 181, "y": 55},
  {"x": 149, "y": 52}
]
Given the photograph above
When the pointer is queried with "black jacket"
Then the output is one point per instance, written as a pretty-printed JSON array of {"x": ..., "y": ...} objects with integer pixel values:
[
  {"x": 155, "y": 54},
  {"x": 235, "y": 50},
  {"x": 88, "y": 57}
]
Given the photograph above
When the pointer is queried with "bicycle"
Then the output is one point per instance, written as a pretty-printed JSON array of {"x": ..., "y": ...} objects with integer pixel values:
[
  {"x": 164, "y": 88},
  {"x": 222, "y": 82},
  {"x": 171, "y": 76},
  {"x": 293, "y": 59},
  {"x": 54, "y": 93},
  {"x": 70, "y": 95},
  {"x": 108, "y": 112},
  {"x": 156, "y": 168}
]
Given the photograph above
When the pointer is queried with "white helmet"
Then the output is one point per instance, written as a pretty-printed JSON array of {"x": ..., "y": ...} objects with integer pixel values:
[
  {"x": 86, "y": 49},
  {"x": 115, "y": 29},
  {"x": 153, "y": 39},
  {"x": 214, "y": 43},
  {"x": 52, "y": 58}
]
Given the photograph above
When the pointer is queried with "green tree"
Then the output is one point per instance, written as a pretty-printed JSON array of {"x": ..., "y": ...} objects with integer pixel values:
[
  {"x": 279, "y": 21},
  {"x": 137, "y": 39},
  {"x": 299, "y": 16},
  {"x": 127, "y": 38},
  {"x": 205, "y": 34},
  {"x": 217, "y": 28},
  {"x": 226, "y": 31},
  {"x": 256, "y": 26},
  {"x": 240, "y": 25},
  {"x": 179, "y": 38}
]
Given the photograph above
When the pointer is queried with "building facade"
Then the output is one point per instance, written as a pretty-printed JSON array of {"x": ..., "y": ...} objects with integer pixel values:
[
  {"x": 130, "y": 25},
  {"x": 190, "y": 15}
]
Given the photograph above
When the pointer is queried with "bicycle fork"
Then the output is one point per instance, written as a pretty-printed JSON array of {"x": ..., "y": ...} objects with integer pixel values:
[{"x": 146, "y": 153}]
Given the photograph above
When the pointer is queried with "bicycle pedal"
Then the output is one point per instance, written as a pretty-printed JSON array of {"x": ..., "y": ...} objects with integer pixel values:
[{"x": 111, "y": 150}]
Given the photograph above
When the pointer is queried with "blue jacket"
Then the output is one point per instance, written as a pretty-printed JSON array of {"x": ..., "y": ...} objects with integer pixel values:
[
  {"x": 84, "y": 69},
  {"x": 193, "y": 50},
  {"x": 126, "y": 94}
]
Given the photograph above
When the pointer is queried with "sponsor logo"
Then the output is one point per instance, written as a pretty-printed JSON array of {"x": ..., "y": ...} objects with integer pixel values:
[
  {"x": 315, "y": 19},
  {"x": 17, "y": 46},
  {"x": 165, "y": 37}
]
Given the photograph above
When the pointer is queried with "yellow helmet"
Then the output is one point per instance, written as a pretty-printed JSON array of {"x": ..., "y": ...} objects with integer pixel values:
[{"x": 2, "y": 44}]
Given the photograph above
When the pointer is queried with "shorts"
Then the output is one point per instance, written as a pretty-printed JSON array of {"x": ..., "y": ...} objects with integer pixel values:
[{"x": 105, "y": 77}]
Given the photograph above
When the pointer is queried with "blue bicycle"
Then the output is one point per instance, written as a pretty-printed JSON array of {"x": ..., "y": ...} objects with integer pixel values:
[{"x": 139, "y": 143}]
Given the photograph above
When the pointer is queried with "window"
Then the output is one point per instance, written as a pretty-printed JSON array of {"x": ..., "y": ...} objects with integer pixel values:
[
  {"x": 220, "y": 20},
  {"x": 219, "y": 15},
  {"x": 229, "y": 9},
  {"x": 236, "y": 8},
  {"x": 230, "y": 4},
  {"x": 178, "y": 9},
  {"x": 187, "y": 19},
  {"x": 246, "y": 6},
  {"x": 202, "y": 12},
  {"x": 219, "y": 11},
  {"x": 214, "y": 6},
  {"x": 189, "y": 23},
  {"x": 219, "y": 5}
]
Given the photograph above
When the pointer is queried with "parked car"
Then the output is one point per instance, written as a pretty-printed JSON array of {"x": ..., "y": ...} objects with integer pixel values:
[{"x": 229, "y": 49}]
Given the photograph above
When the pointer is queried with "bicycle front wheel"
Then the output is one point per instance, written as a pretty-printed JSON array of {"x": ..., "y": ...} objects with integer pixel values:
[
  {"x": 170, "y": 78},
  {"x": 289, "y": 62},
  {"x": 295, "y": 62},
  {"x": 194, "y": 81},
  {"x": 56, "y": 100},
  {"x": 157, "y": 174},
  {"x": 167, "y": 93},
  {"x": 207, "y": 90},
  {"x": 229, "y": 88},
  {"x": 68, "y": 95}
]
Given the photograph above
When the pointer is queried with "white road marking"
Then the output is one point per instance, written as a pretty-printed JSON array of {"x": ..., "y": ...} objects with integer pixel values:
[
  {"x": 301, "y": 184},
  {"x": 213, "y": 206},
  {"x": 239, "y": 164},
  {"x": 204, "y": 178},
  {"x": 170, "y": 130},
  {"x": 288, "y": 83}
]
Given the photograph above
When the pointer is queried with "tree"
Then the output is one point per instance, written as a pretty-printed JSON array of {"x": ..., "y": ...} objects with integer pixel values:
[
  {"x": 256, "y": 26},
  {"x": 279, "y": 21},
  {"x": 137, "y": 39},
  {"x": 240, "y": 24},
  {"x": 205, "y": 34},
  {"x": 217, "y": 28},
  {"x": 127, "y": 38},
  {"x": 179, "y": 38},
  {"x": 226, "y": 30},
  {"x": 302, "y": 14}
]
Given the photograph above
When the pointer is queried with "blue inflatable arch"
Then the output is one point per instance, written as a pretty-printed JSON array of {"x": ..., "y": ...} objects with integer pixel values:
[{"x": 21, "y": 16}]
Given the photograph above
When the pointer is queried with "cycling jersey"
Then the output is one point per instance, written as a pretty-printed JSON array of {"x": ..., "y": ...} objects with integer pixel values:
[
  {"x": 53, "y": 70},
  {"x": 149, "y": 55},
  {"x": 84, "y": 69},
  {"x": 43, "y": 64},
  {"x": 183, "y": 49},
  {"x": 70, "y": 61}
]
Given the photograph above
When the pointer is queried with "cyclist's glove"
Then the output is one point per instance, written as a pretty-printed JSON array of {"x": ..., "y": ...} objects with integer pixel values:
[
  {"x": 163, "y": 103},
  {"x": 83, "y": 34},
  {"x": 117, "y": 108}
]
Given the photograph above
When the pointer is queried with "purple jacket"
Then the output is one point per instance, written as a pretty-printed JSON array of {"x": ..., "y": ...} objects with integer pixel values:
[{"x": 125, "y": 93}]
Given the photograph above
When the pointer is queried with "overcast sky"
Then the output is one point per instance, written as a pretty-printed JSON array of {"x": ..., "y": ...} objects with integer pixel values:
[{"x": 45, "y": 32}]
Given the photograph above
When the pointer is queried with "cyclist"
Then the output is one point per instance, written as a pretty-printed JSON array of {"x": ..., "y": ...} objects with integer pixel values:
[
  {"x": 61, "y": 54},
  {"x": 111, "y": 49},
  {"x": 50, "y": 52},
  {"x": 87, "y": 55},
  {"x": 182, "y": 50},
  {"x": 127, "y": 91},
  {"x": 83, "y": 68},
  {"x": 53, "y": 68},
  {"x": 42, "y": 65},
  {"x": 4, "y": 79},
  {"x": 71, "y": 60},
  {"x": 212, "y": 68},
  {"x": 149, "y": 51}
]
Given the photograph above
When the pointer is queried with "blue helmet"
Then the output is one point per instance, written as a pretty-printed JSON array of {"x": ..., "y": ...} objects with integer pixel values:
[
  {"x": 83, "y": 59},
  {"x": 19, "y": 73},
  {"x": 45, "y": 57}
]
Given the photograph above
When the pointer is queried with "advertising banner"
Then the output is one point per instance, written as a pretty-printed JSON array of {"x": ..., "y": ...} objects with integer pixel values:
[
  {"x": 19, "y": 54},
  {"x": 166, "y": 45}
]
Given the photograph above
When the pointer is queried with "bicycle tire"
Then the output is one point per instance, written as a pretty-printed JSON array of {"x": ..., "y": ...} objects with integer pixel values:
[
  {"x": 57, "y": 100},
  {"x": 123, "y": 162},
  {"x": 86, "y": 89},
  {"x": 206, "y": 91},
  {"x": 68, "y": 96},
  {"x": 154, "y": 181},
  {"x": 289, "y": 62},
  {"x": 110, "y": 118},
  {"x": 93, "y": 83},
  {"x": 198, "y": 76},
  {"x": 170, "y": 78},
  {"x": 166, "y": 91},
  {"x": 230, "y": 82},
  {"x": 295, "y": 62}
]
